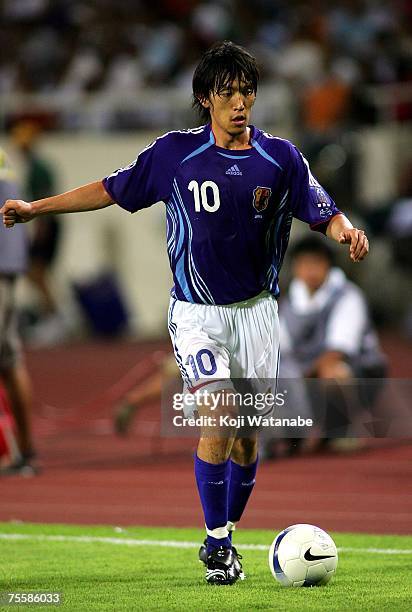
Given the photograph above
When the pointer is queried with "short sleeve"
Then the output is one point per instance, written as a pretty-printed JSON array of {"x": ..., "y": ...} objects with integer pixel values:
[
  {"x": 147, "y": 180},
  {"x": 309, "y": 200}
]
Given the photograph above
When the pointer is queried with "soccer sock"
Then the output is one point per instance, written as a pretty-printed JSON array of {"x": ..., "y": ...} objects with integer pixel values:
[
  {"x": 231, "y": 527},
  {"x": 242, "y": 481},
  {"x": 213, "y": 486}
]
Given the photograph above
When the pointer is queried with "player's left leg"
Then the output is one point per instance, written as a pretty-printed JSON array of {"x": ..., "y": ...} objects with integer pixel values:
[
  {"x": 255, "y": 362},
  {"x": 244, "y": 461}
]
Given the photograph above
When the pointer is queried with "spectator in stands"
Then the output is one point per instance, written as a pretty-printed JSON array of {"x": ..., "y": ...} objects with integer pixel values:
[
  {"x": 40, "y": 183},
  {"x": 325, "y": 326},
  {"x": 399, "y": 228},
  {"x": 13, "y": 370},
  {"x": 63, "y": 44}
]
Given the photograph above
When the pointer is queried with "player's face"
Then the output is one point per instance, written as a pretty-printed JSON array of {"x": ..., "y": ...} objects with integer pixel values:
[
  {"x": 312, "y": 269},
  {"x": 231, "y": 107}
]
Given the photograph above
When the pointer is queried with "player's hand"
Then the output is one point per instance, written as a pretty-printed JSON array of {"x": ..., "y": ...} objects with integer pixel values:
[
  {"x": 358, "y": 241},
  {"x": 16, "y": 211}
]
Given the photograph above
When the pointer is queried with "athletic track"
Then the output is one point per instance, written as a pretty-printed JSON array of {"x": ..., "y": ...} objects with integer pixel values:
[{"x": 92, "y": 477}]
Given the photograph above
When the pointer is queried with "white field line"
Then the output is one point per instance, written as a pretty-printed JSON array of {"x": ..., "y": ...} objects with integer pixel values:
[{"x": 176, "y": 543}]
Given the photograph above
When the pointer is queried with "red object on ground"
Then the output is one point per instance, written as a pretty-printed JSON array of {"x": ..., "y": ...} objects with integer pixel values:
[{"x": 8, "y": 445}]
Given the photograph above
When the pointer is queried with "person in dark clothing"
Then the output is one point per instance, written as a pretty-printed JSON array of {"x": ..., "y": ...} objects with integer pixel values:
[{"x": 13, "y": 370}]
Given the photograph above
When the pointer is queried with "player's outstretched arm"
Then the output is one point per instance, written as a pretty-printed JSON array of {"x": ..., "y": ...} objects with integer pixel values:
[
  {"x": 89, "y": 197},
  {"x": 342, "y": 230}
]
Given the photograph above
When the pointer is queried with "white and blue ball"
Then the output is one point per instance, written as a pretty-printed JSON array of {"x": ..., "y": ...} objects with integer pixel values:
[{"x": 303, "y": 556}]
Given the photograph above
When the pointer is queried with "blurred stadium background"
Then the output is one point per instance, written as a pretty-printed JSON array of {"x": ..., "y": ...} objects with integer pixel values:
[{"x": 99, "y": 80}]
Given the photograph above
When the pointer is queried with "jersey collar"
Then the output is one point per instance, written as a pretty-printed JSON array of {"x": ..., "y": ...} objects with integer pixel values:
[{"x": 254, "y": 134}]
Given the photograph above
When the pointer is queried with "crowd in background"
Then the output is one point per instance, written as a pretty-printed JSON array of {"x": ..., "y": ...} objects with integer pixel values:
[
  {"x": 325, "y": 52},
  {"x": 323, "y": 59}
]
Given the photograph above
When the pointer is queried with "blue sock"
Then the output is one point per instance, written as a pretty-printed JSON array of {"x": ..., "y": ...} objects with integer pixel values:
[
  {"x": 213, "y": 486},
  {"x": 242, "y": 481}
]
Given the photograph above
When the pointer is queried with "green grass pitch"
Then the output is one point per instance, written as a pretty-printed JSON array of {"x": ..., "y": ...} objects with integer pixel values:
[{"x": 105, "y": 568}]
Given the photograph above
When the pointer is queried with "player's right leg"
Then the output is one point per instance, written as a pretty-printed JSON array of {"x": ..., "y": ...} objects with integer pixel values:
[
  {"x": 200, "y": 337},
  {"x": 213, "y": 477},
  {"x": 240, "y": 486}
]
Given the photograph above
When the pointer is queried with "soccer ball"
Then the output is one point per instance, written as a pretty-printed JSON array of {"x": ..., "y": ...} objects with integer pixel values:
[{"x": 303, "y": 555}]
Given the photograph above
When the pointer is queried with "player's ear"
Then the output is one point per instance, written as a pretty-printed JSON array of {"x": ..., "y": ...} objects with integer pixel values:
[{"x": 205, "y": 102}]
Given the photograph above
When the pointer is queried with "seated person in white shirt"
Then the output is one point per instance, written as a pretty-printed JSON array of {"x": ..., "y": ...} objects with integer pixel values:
[
  {"x": 326, "y": 332},
  {"x": 324, "y": 318}
]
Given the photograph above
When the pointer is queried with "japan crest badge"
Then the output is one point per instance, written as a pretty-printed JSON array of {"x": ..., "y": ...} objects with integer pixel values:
[{"x": 261, "y": 197}]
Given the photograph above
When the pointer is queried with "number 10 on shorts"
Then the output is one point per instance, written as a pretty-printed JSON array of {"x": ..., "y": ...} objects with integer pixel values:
[{"x": 203, "y": 362}]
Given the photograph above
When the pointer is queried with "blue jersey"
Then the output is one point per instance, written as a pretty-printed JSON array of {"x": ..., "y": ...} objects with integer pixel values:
[{"x": 228, "y": 212}]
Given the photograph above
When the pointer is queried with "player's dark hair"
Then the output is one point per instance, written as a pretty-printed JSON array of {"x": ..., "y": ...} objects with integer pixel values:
[
  {"x": 313, "y": 245},
  {"x": 223, "y": 63}
]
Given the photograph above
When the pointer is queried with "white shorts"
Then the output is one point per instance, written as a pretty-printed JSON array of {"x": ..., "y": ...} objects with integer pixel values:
[{"x": 221, "y": 343}]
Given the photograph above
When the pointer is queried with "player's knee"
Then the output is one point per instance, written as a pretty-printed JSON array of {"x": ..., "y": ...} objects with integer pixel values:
[
  {"x": 214, "y": 449},
  {"x": 244, "y": 450}
]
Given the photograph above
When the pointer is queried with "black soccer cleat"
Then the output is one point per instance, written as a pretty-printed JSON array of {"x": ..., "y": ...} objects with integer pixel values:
[
  {"x": 222, "y": 565},
  {"x": 203, "y": 558},
  {"x": 203, "y": 552}
]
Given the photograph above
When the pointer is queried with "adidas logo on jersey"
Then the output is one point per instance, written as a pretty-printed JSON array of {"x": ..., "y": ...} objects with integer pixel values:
[{"x": 234, "y": 170}]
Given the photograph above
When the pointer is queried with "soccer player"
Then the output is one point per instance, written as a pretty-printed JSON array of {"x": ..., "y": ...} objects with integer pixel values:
[{"x": 231, "y": 192}]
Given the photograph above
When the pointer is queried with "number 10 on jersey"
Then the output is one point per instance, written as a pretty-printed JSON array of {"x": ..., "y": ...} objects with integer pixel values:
[{"x": 203, "y": 195}]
